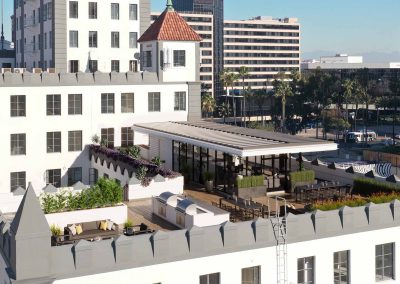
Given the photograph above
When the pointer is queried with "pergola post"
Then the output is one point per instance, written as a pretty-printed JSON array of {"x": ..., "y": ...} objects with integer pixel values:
[{"x": 286, "y": 172}]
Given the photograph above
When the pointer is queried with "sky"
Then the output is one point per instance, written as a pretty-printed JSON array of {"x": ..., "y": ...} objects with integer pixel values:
[{"x": 339, "y": 26}]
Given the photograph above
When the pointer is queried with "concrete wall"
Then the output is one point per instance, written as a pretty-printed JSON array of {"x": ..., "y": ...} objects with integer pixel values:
[
  {"x": 137, "y": 191},
  {"x": 117, "y": 214}
]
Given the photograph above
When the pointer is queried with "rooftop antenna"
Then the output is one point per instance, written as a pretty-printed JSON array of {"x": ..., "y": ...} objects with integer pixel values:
[{"x": 2, "y": 28}]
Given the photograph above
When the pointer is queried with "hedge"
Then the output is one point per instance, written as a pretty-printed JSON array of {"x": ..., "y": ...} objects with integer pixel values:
[
  {"x": 368, "y": 186},
  {"x": 252, "y": 181},
  {"x": 302, "y": 176},
  {"x": 354, "y": 202},
  {"x": 105, "y": 193}
]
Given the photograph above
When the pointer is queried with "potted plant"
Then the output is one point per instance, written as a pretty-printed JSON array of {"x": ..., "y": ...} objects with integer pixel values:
[
  {"x": 128, "y": 226},
  {"x": 56, "y": 233},
  {"x": 209, "y": 181}
]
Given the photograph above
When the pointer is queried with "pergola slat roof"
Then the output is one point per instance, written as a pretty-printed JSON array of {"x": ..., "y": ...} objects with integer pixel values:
[{"x": 234, "y": 140}]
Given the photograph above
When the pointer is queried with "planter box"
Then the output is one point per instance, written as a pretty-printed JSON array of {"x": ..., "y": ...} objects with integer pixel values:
[
  {"x": 117, "y": 214},
  {"x": 137, "y": 191},
  {"x": 251, "y": 192}
]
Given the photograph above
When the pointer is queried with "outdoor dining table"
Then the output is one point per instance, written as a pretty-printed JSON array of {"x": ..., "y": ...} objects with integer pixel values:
[
  {"x": 322, "y": 186},
  {"x": 247, "y": 205}
]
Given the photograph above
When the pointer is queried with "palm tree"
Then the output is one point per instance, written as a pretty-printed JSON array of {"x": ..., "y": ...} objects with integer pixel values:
[
  {"x": 207, "y": 104},
  {"x": 282, "y": 90},
  {"x": 224, "y": 110},
  {"x": 232, "y": 79},
  {"x": 243, "y": 73},
  {"x": 348, "y": 91},
  {"x": 359, "y": 93},
  {"x": 225, "y": 77},
  {"x": 259, "y": 98}
]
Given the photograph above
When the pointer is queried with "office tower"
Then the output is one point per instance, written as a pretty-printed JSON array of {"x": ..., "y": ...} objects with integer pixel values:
[{"x": 215, "y": 7}]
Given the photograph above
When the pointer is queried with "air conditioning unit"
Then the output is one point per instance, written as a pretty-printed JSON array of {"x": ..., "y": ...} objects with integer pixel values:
[
  {"x": 19, "y": 70},
  {"x": 4, "y": 70},
  {"x": 51, "y": 70},
  {"x": 37, "y": 70}
]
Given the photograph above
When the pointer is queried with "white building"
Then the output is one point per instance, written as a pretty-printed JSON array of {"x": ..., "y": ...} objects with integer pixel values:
[
  {"x": 265, "y": 45},
  {"x": 66, "y": 35},
  {"x": 49, "y": 119}
]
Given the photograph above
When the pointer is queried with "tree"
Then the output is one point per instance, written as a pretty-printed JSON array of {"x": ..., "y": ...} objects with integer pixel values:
[
  {"x": 243, "y": 73},
  {"x": 348, "y": 92},
  {"x": 224, "y": 111},
  {"x": 282, "y": 90},
  {"x": 232, "y": 79},
  {"x": 259, "y": 97},
  {"x": 207, "y": 104},
  {"x": 225, "y": 77}
]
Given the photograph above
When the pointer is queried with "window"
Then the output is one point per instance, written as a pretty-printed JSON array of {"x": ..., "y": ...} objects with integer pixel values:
[
  {"x": 180, "y": 101},
  {"x": 53, "y": 177},
  {"x": 93, "y": 176},
  {"x": 127, "y": 102},
  {"x": 179, "y": 58},
  {"x": 154, "y": 101},
  {"x": 74, "y": 141},
  {"x": 107, "y": 135},
  {"x": 74, "y": 175},
  {"x": 74, "y": 66},
  {"x": 114, "y": 11},
  {"x": 93, "y": 66},
  {"x": 18, "y": 144},
  {"x": 133, "y": 12},
  {"x": 305, "y": 270},
  {"x": 74, "y": 104},
  {"x": 210, "y": 278},
  {"x": 92, "y": 10},
  {"x": 73, "y": 9},
  {"x": 93, "y": 39},
  {"x": 49, "y": 10},
  {"x": 73, "y": 38},
  {"x": 384, "y": 262},
  {"x": 115, "y": 65},
  {"x": 107, "y": 103},
  {"x": 53, "y": 104},
  {"x": 115, "y": 39},
  {"x": 133, "y": 66},
  {"x": 126, "y": 137},
  {"x": 17, "y": 106},
  {"x": 133, "y": 40},
  {"x": 18, "y": 179},
  {"x": 53, "y": 142},
  {"x": 251, "y": 275},
  {"x": 147, "y": 59},
  {"x": 45, "y": 40},
  {"x": 341, "y": 267}
]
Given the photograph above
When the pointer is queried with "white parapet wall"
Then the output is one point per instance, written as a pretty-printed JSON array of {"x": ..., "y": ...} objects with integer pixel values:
[
  {"x": 118, "y": 214},
  {"x": 137, "y": 191}
]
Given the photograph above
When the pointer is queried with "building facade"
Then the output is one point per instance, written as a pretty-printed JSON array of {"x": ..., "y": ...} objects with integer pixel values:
[
  {"x": 203, "y": 25},
  {"x": 265, "y": 46},
  {"x": 349, "y": 245},
  {"x": 65, "y": 34},
  {"x": 216, "y": 8}
]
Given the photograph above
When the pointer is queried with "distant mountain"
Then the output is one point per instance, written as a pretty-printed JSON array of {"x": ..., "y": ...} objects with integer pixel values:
[{"x": 369, "y": 57}]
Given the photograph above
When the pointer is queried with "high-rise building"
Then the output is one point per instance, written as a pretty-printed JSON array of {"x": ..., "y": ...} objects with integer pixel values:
[
  {"x": 216, "y": 7},
  {"x": 266, "y": 46},
  {"x": 66, "y": 35}
]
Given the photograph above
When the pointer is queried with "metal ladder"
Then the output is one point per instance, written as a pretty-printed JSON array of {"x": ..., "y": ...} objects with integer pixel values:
[{"x": 279, "y": 226}]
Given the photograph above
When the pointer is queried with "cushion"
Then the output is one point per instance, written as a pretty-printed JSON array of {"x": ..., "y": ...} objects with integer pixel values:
[
  {"x": 103, "y": 225},
  {"x": 109, "y": 225},
  {"x": 72, "y": 228},
  {"x": 79, "y": 229}
]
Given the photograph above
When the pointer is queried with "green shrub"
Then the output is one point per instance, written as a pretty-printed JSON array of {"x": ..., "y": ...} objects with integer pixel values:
[
  {"x": 354, "y": 202},
  {"x": 141, "y": 173},
  {"x": 55, "y": 230},
  {"x": 369, "y": 186},
  {"x": 252, "y": 181},
  {"x": 128, "y": 223},
  {"x": 106, "y": 192},
  {"x": 302, "y": 176}
]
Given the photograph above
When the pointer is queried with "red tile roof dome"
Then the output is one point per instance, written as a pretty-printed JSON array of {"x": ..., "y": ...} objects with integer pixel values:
[{"x": 170, "y": 26}]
